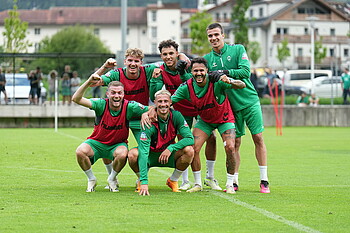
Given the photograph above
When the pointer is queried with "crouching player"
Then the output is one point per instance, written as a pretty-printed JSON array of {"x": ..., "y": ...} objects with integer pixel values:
[
  {"x": 157, "y": 146},
  {"x": 111, "y": 131}
]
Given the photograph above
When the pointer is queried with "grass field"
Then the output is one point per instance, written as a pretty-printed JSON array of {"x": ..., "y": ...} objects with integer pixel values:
[{"x": 42, "y": 188}]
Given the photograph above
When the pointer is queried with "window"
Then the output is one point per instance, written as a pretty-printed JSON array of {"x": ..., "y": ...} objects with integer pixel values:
[
  {"x": 316, "y": 31},
  {"x": 300, "y": 52},
  {"x": 186, "y": 48},
  {"x": 217, "y": 16},
  {"x": 154, "y": 32},
  {"x": 282, "y": 31},
  {"x": 154, "y": 48},
  {"x": 37, "y": 31},
  {"x": 251, "y": 13},
  {"x": 346, "y": 52},
  {"x": 331, "y": 52},
  {"x": 154, "y": 16},
  {"x": 185, "y": 32},
  {"x": 261, "y": 12},
  {"x": 96, "y": 31},
  {"x": 254, "y": 32},
  {"x": 37, "y": 47},
  {"x": 332, "y": 32},
  {"x": 225, "y": 16},
  {"x": 143, "y": 32},
  {"x": 306, "y": 31}
]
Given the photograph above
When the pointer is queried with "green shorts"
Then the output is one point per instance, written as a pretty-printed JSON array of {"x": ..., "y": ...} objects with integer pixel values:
[
  {"x": 208, "y": 128},
  {"x": 189, "y": 120},
  {"x": 252, "y": 117},
  {"x": 153, "y": 160},
  {"x": 102, "y": 150}
]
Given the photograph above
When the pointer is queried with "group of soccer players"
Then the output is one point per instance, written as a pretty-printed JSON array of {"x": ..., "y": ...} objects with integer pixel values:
[{"x": 214, "y": 90}]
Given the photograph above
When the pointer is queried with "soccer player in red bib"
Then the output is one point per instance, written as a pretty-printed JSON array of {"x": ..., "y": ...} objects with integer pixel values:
[
  {"x": 157, "y": 146},
  {"x": 111, "y": 131},
  {"x": 215, "y": 112}
]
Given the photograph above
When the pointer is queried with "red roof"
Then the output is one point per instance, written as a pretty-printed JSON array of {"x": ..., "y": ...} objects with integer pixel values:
[{"x": 80, "y": 15}]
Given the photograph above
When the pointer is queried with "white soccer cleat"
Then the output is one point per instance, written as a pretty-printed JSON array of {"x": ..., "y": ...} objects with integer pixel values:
[
  {"x": 212, "y": 183},
  {"x": 230, "y": 189},
  {"x": 185, "y": 186},
  {"x": 113, "y": 185},
  {"x": 91, "y": 186},
  {"x": 107, "y": 186},
  {"x": 196, "y": 188}
]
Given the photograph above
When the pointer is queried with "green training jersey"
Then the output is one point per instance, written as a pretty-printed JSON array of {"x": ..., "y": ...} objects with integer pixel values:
[
  {"x": 147, "y": 135},
  {"x": 234, "y": 58},
  {"x": 345, "y": 77}
]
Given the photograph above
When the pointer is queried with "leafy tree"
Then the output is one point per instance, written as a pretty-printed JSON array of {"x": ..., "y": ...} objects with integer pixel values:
[
  {"x": 254, "y": 51},
  {"x": 320, "y": 51},
  {"x": 283, "y": 51},
  {"x": 198, "y": 25},
  {"x": 15, "y": 32},
  {"x": 73, "y": 39},
  {"x": 240, "y": 22}
]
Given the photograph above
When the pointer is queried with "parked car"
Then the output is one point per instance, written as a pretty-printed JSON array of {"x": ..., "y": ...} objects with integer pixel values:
[
  {"x": 326, "y": 87},
  {"x": 18, "y": 87},
  {"x": 288, "y": 89},
  {"x": 302, "y": 77}
]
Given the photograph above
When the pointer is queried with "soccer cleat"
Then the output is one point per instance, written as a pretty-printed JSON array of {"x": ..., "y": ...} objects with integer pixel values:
[
  {"x": 235, "y": 186},
  {"x": 107, "y": 186},
  {"x": 173, "y": 185},
  {"x": 212, "y": 183},
  {"x": 138, "y": 186},
  {"x": 230, "y": 189},
  {"x": 195, "y": 188},
  {"x": 185, "y": 186},
  {"x": 91, "y": 186},
  {"x": 264, "y": 186},
  {"x": 113, "y": 185}
]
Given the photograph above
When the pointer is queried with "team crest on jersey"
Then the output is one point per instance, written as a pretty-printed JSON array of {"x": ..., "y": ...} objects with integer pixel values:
[
  {"x": 214, "y": 64},
  {"x": 228, "y": 58},
  {"x": 244, "y": 56},
  {"x": 143, "y": 136},
  {"x": 185, "y": 123}
]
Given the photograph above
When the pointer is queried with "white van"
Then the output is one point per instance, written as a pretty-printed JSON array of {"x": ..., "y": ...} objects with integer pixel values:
[{"x": 303, "y": 77}]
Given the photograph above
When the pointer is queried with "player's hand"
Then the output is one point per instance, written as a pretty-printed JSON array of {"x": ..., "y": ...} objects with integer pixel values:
[
  {"x": 145, "y": 121},
  {"x": 183, "y": 56},
  {"x": 144, "y": 190},
  {"x": 181, "y": 66},
  {"x": 95, "y": 80},
  {"x": 110, "y": 63},
  {"x": 214, "y": 76},
  {"x": 152, "y": 114},
  {"x": 225, "y": 79},
  {"x": 164, "y": 156},
  {"x": 156, "y": 72}
]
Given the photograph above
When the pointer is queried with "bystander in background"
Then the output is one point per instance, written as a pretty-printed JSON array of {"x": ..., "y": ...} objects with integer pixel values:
[
  {"x": 52, "y": 85},
  {"x": 65, "y": 89},
  {"x": 2, "y": 85},
  {"x": 345, "y": 77},
  {"x": 303, "y": 100},
  {"x": 74, "y": 83},
  {"x": 314, "y": 100}
]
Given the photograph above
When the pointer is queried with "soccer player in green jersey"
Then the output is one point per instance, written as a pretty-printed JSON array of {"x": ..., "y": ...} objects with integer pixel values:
[
  {"x": 233, "y": 61},
  {"x": 345, "y": 77},
  {"x": 215, "y": 112},
  {"x": 111, "y": 131},
  {"x": 157, "y": 146}
]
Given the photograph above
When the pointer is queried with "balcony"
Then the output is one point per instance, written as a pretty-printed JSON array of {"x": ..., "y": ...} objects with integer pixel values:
[{"x": 303, "y": 39}]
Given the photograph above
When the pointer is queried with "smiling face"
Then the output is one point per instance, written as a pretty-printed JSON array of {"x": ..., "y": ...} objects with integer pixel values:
[
  {"x": 163, "y": 103},
  {"x": 199, "y": 72},
  {"x": 169, "y": 56},
  {"x": 216, "y": 38},
  {"x": 132, "y": 65},
  {"x": 115, "y": 95}
]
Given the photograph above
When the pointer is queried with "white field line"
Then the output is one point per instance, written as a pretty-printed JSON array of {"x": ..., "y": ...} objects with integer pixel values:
[{"x": 232, "y": 199}]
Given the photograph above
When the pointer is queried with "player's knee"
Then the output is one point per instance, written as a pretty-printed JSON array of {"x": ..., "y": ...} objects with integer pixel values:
[
  {"x": 188, "y": 154},
  {"x": 229, "y": 146},
  {"x": 132, "y": 156}
]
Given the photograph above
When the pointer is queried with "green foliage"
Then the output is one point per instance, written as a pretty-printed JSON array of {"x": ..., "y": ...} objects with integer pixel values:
[
  {"x": 291, "y": 100},
  {"x": 73, "y": 39},
  {"x": 15, "y": 32},
  {"x": 254, "y": 51},
  {"x": 240, "y": 22},
  {"x": 320, "y": 51},
  {"x": 283, "y": 51},
  {"x": 198, "y": 25}
]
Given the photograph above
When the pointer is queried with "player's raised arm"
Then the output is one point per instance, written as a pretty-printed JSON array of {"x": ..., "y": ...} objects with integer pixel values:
[{"x": 78, "y": 95}]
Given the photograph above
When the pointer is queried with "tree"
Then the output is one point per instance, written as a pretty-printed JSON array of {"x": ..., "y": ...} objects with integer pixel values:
[
  {"x": 283, "y": 51},
  {"x": 73, "y": 39},
  {"x": 240, "y": 22},
  {"x": 254, "y": 51},
  {"x": 15, "y": 32},
  {"x": 198, "y": 25},
  {"x": 320, "y": 51}
]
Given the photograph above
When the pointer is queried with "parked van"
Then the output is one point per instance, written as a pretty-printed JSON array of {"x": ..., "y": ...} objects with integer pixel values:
[{"x": 303, "y": 77}]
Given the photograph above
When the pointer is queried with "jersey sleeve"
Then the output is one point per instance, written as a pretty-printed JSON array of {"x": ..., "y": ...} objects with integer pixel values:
[
  {"x": 243, "y": 70},
  {"x": 144, "y": 149},
  {"x": 112, "y": 75},
  {"x": 181, "y": 93},
  {"x": 156, "y": 84},
  {"x": 135, "y": 110},
  {"x": 98, "y": 105},
  {"x": 184, "y": 130}
]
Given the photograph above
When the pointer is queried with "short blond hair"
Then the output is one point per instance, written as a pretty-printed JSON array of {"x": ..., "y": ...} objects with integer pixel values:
[
  {"x": 135, "y": 53},
  {"x": 162, "y": 92}
]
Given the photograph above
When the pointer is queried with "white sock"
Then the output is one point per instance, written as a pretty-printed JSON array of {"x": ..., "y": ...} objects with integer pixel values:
[
  {"x": 197, "y": 178},
  {"x": 112, "y": 175},
  {"x": 229, "y": 181},
  {"x": 185, "y": 176},
  {"x": 263, "y": 173},
  {"x": 235, "y": 178},
  {"x": 176, "y": 175},
  {"x": 90, "y": 175},
  {"x": 109, "y": 168},
  {"x": 210, "y": 169}
]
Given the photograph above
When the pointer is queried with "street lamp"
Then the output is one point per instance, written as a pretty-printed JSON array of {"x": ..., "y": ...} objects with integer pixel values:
[{"x": 312, "y": 73}]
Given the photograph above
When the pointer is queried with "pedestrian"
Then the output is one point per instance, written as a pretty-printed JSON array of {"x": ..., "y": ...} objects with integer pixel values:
[{"x": 345, "y": 77}]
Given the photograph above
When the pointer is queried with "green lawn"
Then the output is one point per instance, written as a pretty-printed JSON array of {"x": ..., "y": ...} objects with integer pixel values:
[{"x": 42, "y": 188}]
